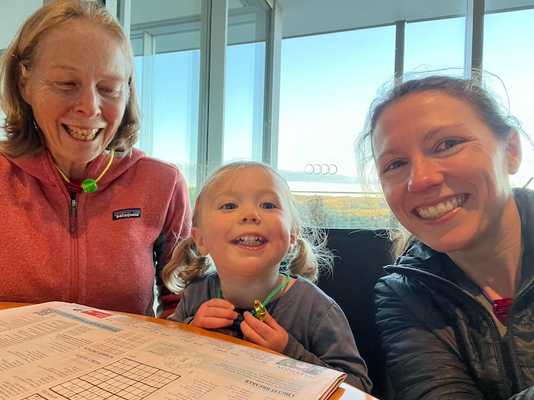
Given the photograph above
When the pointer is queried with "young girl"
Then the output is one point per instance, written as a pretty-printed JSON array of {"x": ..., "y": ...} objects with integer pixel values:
[{"x": 246, "y": 224}]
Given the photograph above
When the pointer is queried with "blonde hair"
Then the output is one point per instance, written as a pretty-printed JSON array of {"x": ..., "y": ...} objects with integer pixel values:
[
  {"x": 23, "y": 136},
  {"x": 306, "y": 258}
]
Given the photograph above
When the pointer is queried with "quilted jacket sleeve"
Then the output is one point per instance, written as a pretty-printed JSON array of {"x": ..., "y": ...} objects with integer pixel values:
[
  {"x": 526, "y": 394},
  {"x": 421, "y": 356}
]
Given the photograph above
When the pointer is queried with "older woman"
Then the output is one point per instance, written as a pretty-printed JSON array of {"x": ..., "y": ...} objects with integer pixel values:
[
  {"x": 85, "y": 217},
  {"x": 456, "y": 314}
]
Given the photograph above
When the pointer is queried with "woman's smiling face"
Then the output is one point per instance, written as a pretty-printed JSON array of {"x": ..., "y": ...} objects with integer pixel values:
[
  {"x": 443, "y": 171},
  {"x": 77, "y": 87}
]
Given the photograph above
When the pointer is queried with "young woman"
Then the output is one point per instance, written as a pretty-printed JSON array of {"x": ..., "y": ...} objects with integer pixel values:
[{"x": 456, "y": 314}]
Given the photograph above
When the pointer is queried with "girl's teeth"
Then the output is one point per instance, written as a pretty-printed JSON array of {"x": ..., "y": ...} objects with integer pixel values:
[
  {"x": 250, "y": 240},
  {"x": 442, "y": 208}
]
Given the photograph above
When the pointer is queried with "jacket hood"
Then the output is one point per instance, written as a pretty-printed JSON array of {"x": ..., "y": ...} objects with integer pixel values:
[
  {"x": 525, "y": 203},
  {"x": 42, "y": 167}
]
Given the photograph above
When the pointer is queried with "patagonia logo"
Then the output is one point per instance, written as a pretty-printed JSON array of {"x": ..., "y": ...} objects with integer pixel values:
[{"x": 126, "y": 213}]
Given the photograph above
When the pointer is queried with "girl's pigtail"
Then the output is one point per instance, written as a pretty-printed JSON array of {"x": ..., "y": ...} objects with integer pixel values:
[
  {"x": 185, "y": 265},
  {"x": 304, "y": 262},
  {"x": 310, "y": 256}
]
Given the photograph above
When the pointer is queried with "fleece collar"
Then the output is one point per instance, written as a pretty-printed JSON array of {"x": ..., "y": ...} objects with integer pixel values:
[{"x": 41, "y": 166}]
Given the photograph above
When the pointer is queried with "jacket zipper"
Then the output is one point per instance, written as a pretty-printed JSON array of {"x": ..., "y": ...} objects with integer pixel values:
[
  {"x": 73, "y": 214},
  {"x": 520, "y": 382},
  {"x": 73, "y": 225}
]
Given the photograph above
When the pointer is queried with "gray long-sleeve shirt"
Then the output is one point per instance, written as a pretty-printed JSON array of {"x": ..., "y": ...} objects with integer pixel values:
[{"x": 319, "y": 332}]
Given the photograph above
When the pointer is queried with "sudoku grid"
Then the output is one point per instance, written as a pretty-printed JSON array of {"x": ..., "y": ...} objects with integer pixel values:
[{"x": 122, "y": 380}]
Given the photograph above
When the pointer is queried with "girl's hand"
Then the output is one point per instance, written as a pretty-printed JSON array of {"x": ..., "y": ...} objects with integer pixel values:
[
  {"x": 267, "y": 333},
  {"x": 214, "y": 313}
]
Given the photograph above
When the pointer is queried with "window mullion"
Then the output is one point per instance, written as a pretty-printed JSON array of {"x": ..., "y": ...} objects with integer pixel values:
[
  {"x": 400, "y": 43},
  {"x": 211, "y": 105},
  {"x": 474, "y": 38},
  {"x": 272, "y": 87},
  {"x": 146, "y": 139}
]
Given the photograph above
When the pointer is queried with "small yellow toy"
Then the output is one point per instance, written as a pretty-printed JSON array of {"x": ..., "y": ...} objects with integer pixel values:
[{"x": 260, "y": 311}]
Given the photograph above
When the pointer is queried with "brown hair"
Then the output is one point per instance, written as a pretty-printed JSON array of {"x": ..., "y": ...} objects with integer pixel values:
[
  {"x": 23, "y": 136},
  {"x": 468, "y": 90},
  {"x": 306, "y": 258}
]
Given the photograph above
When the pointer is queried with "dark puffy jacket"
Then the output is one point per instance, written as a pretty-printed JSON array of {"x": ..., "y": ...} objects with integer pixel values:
[{"x": 441, "y": 342}]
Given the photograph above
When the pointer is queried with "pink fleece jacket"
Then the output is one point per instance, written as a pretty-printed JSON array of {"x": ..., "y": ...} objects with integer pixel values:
[{"x": 97, "y": 250}]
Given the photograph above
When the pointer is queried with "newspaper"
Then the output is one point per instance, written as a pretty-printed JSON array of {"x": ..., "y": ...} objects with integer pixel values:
[{"x": 65, "y": 351}]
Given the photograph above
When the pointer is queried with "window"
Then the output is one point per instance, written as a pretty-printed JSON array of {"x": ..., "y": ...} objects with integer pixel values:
[
  {"x": 166, "y": 42},
  {"x": 435, "y": 45},
  {"x": 333, "y": 62},
  {"x": 14, "y": 13},
  {"x": 327, "y": 84},
  {"x": 245, "y": 81},
  {"x": 509, "y": 54}
]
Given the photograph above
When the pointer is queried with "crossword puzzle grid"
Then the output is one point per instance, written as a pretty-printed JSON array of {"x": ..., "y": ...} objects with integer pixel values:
[{"x": 123, "y": 380}]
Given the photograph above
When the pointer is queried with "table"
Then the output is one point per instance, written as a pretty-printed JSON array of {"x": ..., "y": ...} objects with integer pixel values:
[{"x": 345, "y": 392}]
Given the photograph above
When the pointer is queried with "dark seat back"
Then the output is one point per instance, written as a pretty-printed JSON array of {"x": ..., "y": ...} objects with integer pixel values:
[{"x": 360, "y": 256}]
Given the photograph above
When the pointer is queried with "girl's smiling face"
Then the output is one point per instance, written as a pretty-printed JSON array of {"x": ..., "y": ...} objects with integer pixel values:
[
  {"x": 443, "y": 171},
  {"x": 245, "y": 223}
]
